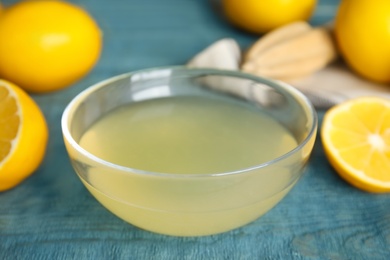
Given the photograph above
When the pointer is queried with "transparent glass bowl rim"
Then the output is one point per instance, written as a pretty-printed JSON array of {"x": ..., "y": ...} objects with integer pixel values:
[{"x": 192, "y": 72}]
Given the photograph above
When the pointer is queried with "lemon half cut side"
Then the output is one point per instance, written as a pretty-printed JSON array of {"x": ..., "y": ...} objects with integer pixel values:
[
  {"x": 23, "y": 135},
  {"x": 356, "y": 140}
]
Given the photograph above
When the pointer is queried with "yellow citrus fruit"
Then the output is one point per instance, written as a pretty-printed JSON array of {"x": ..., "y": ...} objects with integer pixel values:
[
  {"x": 47, "y": 45},
  {"x": 362, "y": 32},
  {"x": 23, "y": 135},
  {"x": 260, "y": 16},
  {"x": 356, "y": 139}
]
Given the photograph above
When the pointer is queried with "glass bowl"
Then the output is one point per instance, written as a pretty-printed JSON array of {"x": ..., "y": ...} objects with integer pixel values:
[{"x": 192, "y": 203}]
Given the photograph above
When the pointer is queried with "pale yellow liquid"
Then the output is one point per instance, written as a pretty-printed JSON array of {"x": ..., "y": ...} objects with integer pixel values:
[{"x": 188, "y": 135}]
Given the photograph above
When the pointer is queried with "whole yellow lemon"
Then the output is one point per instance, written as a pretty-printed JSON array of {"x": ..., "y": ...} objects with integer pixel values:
[
  {"x": 261, "y": 16},
  {"x": 47, "y": 45},
  {"x": 362, "y": 30}
]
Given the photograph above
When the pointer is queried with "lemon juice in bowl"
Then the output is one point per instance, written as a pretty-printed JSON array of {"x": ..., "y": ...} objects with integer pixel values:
[
  {"x": 187, "y": 135},
  {"x": 181, "y": 159}
]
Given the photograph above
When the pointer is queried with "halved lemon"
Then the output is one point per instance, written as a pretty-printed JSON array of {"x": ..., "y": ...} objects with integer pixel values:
[
  {"x": 356, "y": 140},
  {"x": 23, "y": 135}
]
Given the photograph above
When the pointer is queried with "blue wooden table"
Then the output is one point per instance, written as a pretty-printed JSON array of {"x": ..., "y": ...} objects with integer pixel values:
[{"x": 52, "y": 216}]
